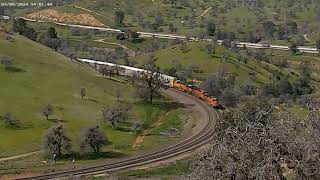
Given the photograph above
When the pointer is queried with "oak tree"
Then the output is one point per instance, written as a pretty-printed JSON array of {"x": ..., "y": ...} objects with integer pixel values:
[
  {"x": 92, "y": 140},
  {"x": 56, "y": 142}
]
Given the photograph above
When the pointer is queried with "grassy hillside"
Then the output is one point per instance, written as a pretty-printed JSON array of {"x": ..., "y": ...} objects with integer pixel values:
[
  {"x": 41, "y": 76},
  {"x": 196, "y": 53},
  {"x": 209, "y": 64},
  {"x": 190, "y": 16}
]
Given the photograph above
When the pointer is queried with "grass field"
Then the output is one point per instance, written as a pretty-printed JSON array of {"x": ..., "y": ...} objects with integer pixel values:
[
  {"x": 170, "y": 171},
  {"x": 40, "y": 77},
  {"x": 196, "y": 54},
  {"x": 90, "y": 38},
  {"x": 185, "y": 16},
  {"x": 209, "y": 64}
]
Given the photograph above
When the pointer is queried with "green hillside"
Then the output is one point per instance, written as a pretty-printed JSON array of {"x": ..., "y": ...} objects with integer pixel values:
[
  {"x": 190, "y": 17},
  {"x": 40, "y": 76},
  {"x": 196, "y": 54}
]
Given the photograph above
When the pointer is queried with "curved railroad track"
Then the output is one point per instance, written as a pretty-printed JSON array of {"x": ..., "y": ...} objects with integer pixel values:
[{"x": 197, "y": 140}]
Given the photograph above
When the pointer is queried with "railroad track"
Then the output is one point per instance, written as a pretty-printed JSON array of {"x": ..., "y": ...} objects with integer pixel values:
[
  {"x": 305, "y": 49},
  {"x": 197, "y": 140}
]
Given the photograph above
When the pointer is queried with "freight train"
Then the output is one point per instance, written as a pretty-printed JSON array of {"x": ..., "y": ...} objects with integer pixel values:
[
  {"x": 169, "y": 81},
  {"x": 195, "y": 91}
]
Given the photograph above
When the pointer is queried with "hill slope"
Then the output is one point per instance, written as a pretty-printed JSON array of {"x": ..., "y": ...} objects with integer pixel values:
[
  {"x": 41, "y": 76},
  {"x": 44, "y": 77},
  {"x": 196, "y": 54},
  {"x": 189, "y": 17}
]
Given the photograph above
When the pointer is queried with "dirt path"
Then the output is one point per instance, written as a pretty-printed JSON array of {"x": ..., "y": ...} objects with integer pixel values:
[
  {"x": 133, "y": 53},
  {"x": 312, "y": 57},
  {"x": 19, "y": 156},
  {"x": 139, "y": 140},
  {"x": 306, "y": 38},
  {"x": 88, "y": 10},
  {"x": 205, "y": 12}
]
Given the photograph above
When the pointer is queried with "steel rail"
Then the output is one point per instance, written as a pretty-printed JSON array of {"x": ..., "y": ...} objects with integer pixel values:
[{"x": 187, "y": 145}]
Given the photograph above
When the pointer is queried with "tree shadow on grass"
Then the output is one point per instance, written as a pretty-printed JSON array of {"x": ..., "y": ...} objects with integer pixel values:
[
  {"x": 168, "y": 105},
  {"x": 123, "y": 128},
  {"x": 91, "y": 156},
  {"x": 56, "y": 120},
  {"x": 215, "y": 56},
  {"x": 15, "y": 70},
  {"x": 92, "y": 100},
  {"x": 137, "y": 41}
]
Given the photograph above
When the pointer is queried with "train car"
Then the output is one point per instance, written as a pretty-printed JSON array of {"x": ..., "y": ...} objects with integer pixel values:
[
  {"x": 180, "y": 86},
  {"x": 212, "y": 101},
  {"x": 167, "y": 81},
  {"x": 198, "y": 93}
]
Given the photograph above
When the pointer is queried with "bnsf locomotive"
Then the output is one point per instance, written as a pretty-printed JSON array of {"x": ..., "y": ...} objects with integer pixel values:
[
  {"x": 168, "y": 81},
  {"x": 199, "y": 93}
]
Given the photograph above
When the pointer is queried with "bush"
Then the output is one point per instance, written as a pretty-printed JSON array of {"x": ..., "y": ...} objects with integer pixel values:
[{"x": 10, "y": 120}]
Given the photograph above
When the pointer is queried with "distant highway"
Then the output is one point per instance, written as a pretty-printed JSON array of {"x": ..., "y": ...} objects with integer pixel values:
[{"x": 173, "y": 36}]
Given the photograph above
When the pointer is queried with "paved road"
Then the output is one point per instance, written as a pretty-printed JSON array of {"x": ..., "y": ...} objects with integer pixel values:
[{"x": 174, "y": 36}]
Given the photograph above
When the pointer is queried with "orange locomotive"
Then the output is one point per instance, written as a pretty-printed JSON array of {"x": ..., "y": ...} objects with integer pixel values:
[
  {"x": 180, "y": 86},
  {"x": 212, "y": 101}
]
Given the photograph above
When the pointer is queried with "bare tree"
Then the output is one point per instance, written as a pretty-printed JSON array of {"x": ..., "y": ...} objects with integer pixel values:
[
  {"x": 134, "y": 76},
  {"x": 210, "y": 48},
  {"x": 191, "y": 69},
  {"x": 224, "y": 57},
  {"x": 151, "y": 80},
  {"x": 119, "y": 17},
  {"x": 10, "y": 120},
  {"x": 172, "y": 28},
  {"x": 131, "y": 35},
  {"x": 2, "y": 11},
  {"x": 106, "y": 70},
  {"x": 117, "y": 93},
  {"x": 309, "y": 101},
  {"x": 253, "y": 143},
  {"x": 294, "y": 47},
  {"x": 318, "y": 45},
  {"x": 116, "y": 113},
  {"x": 6, "y": 62},
  {"x": 117, "y": 69},
  {"x": 137, "y": 127},
  {"x": 82, "y": 92},
  {"x": 230, "y": 97},
  {"x": 120, "y": 52},
  {"x": 92, "y": 140},
  {"x": 47, "y": 110},
  {"x": 56, "y": 142},
  {"x": 173, "y": 2},
  {"x": 184, "y": 47}
]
